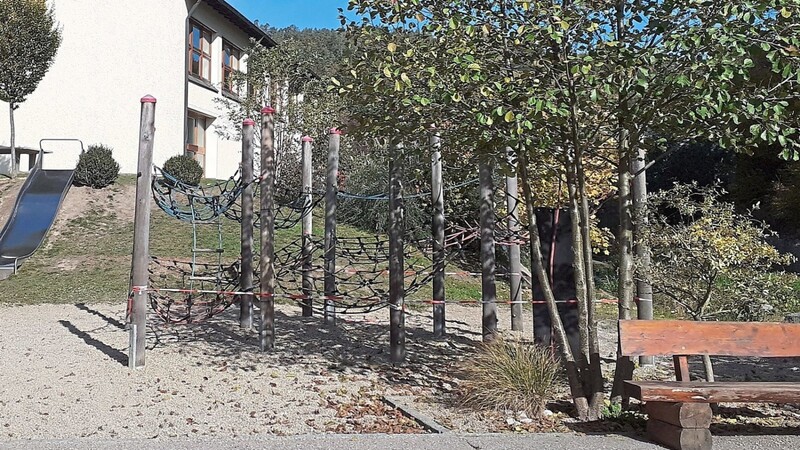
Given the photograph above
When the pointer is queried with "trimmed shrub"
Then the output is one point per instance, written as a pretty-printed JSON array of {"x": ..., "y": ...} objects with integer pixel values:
[
  {"x": 511, "y": 375},
  {"x": 185, "y": 169},
  {"x": 96, "y": 168}
]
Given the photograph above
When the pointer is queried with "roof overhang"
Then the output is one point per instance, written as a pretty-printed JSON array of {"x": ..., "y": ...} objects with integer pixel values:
[{"x": 238, "y": 19}]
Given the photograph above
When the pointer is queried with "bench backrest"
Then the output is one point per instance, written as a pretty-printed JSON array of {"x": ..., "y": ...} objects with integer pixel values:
[{"x": 682, "y": 337}]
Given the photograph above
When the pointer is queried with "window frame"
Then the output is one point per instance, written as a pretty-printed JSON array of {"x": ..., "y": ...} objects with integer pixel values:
[
  {"x": 227, "y": 69},
  {"x": 191, "y": 50},
  {"x": 192, "y": 118}
]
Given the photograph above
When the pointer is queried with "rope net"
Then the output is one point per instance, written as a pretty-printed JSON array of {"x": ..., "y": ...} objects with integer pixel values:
[{"x": 186, "y": 292}]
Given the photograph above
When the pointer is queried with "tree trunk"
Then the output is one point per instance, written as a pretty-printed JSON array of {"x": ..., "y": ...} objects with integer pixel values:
[
  {"x": 583, "y": 247},
  {"x": 14, "y": 166},
  {"x": 644, "y": 291},
  {"x": 573, "y": 377},
  {"x": 578, "y": 264},
  {"x": 709, "y": 368},
  {"x": 597, "y": 399},
  {"x": 624, "y": 369}
]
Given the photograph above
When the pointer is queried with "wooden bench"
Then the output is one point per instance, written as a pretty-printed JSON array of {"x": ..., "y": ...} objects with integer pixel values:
[{"x": 679, "y": 412}]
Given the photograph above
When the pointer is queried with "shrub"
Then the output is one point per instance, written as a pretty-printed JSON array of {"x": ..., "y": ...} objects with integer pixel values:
[
  {"x": 185, "y": 169},
  {"x": 96, "y": 168},
  {"x": 511, "y": 375},
  {"x": 712, "y": 261}
]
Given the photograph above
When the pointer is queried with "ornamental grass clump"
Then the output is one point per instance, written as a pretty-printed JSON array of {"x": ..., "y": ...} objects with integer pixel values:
[{"x": 511, "y": 375}]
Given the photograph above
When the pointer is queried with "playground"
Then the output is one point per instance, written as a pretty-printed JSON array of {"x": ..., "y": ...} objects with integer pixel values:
[{"x": 302, "y": 355}]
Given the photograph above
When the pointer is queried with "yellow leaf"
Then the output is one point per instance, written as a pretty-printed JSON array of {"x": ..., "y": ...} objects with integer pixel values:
[
  {"x": 387, "y": 72},
  {"x": 785, "y": 13},
  {"x": 392, "y": 47},
  {"x": 510, "y": 116}
]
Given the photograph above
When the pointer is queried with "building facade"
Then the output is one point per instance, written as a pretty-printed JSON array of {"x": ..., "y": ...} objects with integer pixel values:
[{"x": 182, "y": 52}]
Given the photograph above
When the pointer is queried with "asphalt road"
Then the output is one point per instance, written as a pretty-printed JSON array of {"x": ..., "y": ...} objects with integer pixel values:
[{"x": 549, "y": 441}]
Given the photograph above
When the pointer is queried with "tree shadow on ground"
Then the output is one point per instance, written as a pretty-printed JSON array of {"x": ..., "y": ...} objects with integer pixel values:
[{"x": 357, "y": 345}]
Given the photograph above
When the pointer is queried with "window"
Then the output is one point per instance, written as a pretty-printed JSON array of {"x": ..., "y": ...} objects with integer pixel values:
[
  {"x": 231, "y": 56},
  {"x": 196, "y": 135},
  {"x": 200, "y": 51}
]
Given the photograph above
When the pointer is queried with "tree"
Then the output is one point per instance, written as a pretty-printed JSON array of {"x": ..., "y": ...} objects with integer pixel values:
[
  {"x": 560, "y": 80},
  {"x": 29, "y": 40},
  {"x": 292, "y": 77}
]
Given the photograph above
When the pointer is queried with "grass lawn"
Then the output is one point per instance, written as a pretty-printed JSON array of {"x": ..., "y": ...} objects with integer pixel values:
[{"x": 88, "y": 258}]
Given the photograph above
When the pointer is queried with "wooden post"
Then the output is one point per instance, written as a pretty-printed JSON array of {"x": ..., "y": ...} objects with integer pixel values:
[
  {"x": 488, "y": 287},
  {"x": 644, "y": 291},
  {"x": 308, "y": 245},
  {"x": 397, "y": 332},
  {"x": 246, "y": 275},
  {"x": 514, "y": 264},
  {"x": 266, "y": 328},
  {"x": 331, "y": 192},
  {"x": 438, "y": 222},
  {"x": 141, "y": 236}
]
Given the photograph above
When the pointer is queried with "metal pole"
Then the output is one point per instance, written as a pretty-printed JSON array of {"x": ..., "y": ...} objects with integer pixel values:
[
  {"x": 437, "y": 200},
  {"x": 397, "y": 332},
  {"x": 308, "y": 246},
  {"x": 246, "y": 275},
  {"x": 331, "y": 191},
  {"x": 141, "y": 236},
  {"x": 643, "y": 288},
  {"x": 488, "y": 287},
  {"x": 514, "y": 264},
  {"x": 266, "y": 329}
]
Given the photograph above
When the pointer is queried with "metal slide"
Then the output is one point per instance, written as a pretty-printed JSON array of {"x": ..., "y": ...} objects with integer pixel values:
[{"x": 34, "y": 212}]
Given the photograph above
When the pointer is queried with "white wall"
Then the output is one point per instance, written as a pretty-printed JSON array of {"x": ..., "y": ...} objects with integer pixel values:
[
  {"x": 222, "y": 156},
  {"x": 113, "y": 53}
]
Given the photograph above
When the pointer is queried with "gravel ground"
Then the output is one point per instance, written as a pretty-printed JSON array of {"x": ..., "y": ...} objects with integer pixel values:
[
  {"x": 550, "y": 441},
  {"x": 63, "y": 376}
]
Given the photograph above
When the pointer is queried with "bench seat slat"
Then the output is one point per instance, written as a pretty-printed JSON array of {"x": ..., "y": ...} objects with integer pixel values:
[
  {"x": 683, "y": 337},
  {"x": 720, "y": 392}
]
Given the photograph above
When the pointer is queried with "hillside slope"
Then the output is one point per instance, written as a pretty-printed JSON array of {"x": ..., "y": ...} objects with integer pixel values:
[{"x": 87, "y": 255}]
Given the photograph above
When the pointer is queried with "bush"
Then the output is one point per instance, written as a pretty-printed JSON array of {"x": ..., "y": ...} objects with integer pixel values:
[
  {"x": 511, "y": 375},
  {"x": 185, "y": 169},
  {"x": 96, "y": 168},
  {"x": 712, "y": 261}
]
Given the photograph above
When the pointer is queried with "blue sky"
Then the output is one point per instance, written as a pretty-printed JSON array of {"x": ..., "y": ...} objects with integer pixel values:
[{"x": 301, "y": 13}]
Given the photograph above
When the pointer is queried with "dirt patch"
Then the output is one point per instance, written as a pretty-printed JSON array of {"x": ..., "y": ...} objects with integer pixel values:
[
  {"x": 8, "y": 196},
  {"x": 115, "y": 201}
]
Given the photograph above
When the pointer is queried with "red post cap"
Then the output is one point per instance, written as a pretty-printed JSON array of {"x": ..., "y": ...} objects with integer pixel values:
[
  {"x": 268, "y": 110},
  {"x": 335, "y": 131},
  {"x": 249, "y": 122},
  {"x": 308, "y": 139},
  {"x": 148, "y": 99}
]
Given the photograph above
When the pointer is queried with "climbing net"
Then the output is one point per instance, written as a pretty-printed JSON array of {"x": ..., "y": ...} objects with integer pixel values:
[
  {"x": 291, "y": 207},
  {"x": 361, "y": 274},
  {"x": 204, "y": 291},
  {"x": 190, "y": 203}
]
